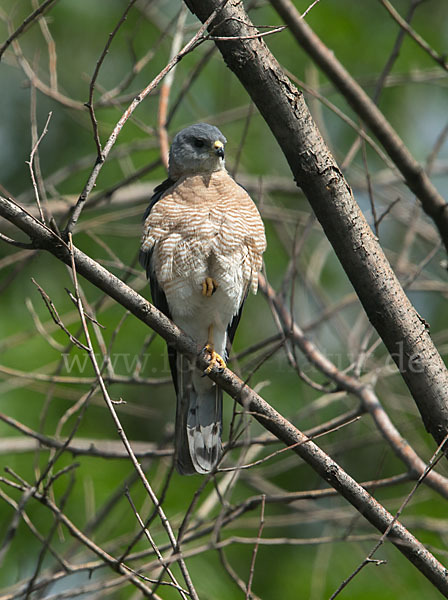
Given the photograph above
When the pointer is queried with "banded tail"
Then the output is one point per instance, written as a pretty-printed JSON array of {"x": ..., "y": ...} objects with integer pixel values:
[{"x": 198, "y": 446}]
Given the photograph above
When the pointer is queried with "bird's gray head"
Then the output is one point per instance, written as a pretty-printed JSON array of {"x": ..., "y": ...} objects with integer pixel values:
[{"x": 197, "y": 149}]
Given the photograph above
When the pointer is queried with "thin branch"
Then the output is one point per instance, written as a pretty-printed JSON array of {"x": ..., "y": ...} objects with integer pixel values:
[
  {"x": 110, "y": 96},
  {"x": 414, "y": 35},
  {"x": 387, "y": 211},
  {"x": 77, "y": 380},
  {"x": 15, "y": 521},
  {"x": 309, "y": 437},
  {"x": 89, "y": 103},
  {"x": 255, "y": 551},
  {"x": 81, "y": 537},
  {"x": 34, "y": 531},
  {"x": 417, "y": 180},
  {"x": 31, "y": 167},
  {"x": 312, "y": 5},
  {"x": 369, "y": 558},
  {"x": 26, "y": 23},
  {"x": 254, "y": 36},
  {"x": 197, "y": 39},
  {"x": 193, "y": 75},
  {"x": 384, "y": 75},
  {"x": 51, "y": 46},
  {"x": 352, "y": 385},
  {"x": 15, "y": 243},
  {"x": 162, "y": 115},
  {"x": 40, "y": 85},
  {"x": 56, "y": 318},
  {"x": 183, "y": 593},
  {"x": 370, "y": 189},
  {"x": 88, "y": 447}
]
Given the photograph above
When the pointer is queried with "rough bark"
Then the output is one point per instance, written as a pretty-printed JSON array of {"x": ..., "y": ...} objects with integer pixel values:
[{"x": 314, "y": 169}]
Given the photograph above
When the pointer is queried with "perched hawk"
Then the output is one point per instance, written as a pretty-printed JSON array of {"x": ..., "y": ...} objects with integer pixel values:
[{"x": 202, "y": 247}]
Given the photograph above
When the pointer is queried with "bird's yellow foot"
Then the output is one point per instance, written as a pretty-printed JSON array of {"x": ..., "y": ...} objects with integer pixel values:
[
  {"x": 216, "y": 360},
  {"x": 209, "y": 287}
]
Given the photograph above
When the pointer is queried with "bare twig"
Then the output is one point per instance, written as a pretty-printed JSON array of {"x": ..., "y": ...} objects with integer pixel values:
[
  {"x": 80, "y": 536},
  {"x": 56, "y": 318},
  {"x": 309, "y": 436},
  {"x": 15, "y": 243},
  {"x": 197, "y": 39},
  {"x": 369, "y": 558},
  {"x": 183, "y": 593},
  {"x": 30, "y": 164},
  {"x": 162, "y": 116},
  {"x": 432, "y": 201},
  {"x": 52, "y": 54},
  {"x": 26, "y": 23},
  {"x": 414, "y": 35},
  {"x": 98, "y": 66},
  {"x": 254, "y": 553},
  {"x": 253, "y": 36},
  {"x": 312, "y": 5},
  {"x": 78, "y": 380},
  {"x": 370, "y": 189},
  {"x": 384, "y": 76},
  {"x": 40, "y": 85},
  {"x": 352, "y": 385}
]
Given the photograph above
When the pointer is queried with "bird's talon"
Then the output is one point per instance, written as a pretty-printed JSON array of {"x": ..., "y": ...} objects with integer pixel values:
[
  {"x": 209, "y": 287},
  {"x": 215, "y": 360}
]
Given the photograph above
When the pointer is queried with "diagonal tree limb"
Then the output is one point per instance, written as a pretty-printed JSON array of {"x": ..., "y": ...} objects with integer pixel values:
[
  {"x": 285, "y": 431},
  {"x": 316, "y": 172}
]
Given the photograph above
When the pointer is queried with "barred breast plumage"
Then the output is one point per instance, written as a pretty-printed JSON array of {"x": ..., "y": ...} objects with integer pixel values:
[
  {"x": 202, "y": 218},
  {"x": 202, "y": 247}
]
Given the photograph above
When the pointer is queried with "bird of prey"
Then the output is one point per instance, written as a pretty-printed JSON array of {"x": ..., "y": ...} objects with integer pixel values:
[{"x": 202, "y": 246}]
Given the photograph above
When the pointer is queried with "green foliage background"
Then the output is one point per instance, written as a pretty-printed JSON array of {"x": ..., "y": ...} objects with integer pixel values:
[{"x": 361, "y": 35}]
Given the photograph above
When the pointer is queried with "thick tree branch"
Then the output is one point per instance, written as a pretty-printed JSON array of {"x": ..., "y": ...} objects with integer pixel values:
[
  {"x": 315, "y": 170},
  {"x": 417, "y": 180},
  {"x": 325, "y": 466}
]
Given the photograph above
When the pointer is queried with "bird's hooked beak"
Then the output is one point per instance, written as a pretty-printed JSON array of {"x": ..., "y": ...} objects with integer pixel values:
[{"x": 219, "y": 149}]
